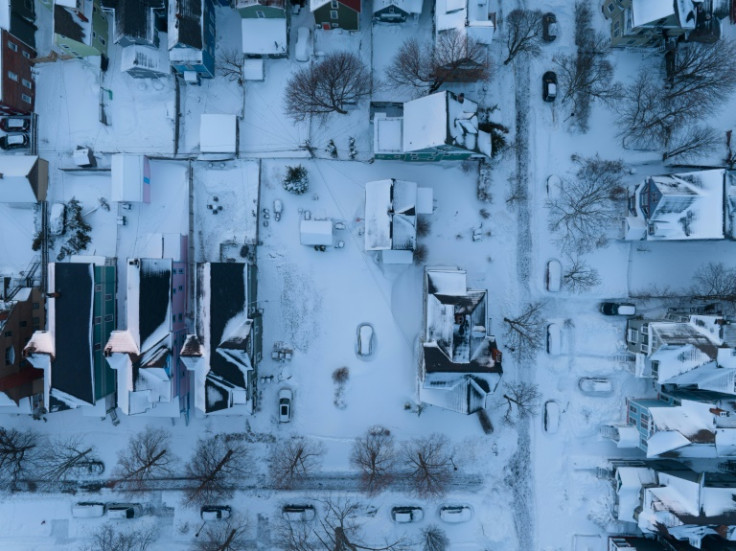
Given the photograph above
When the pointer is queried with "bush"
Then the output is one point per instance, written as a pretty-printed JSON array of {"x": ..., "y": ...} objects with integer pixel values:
[
  {"x": 423, "y": 227},
  {"x": 37, "y": 240},
  {"x": 297, "y": 180},
  {"x": 498, "y": 142},
  {"x": 341, "y": 375},
  {"x": 420, "y": 254}
]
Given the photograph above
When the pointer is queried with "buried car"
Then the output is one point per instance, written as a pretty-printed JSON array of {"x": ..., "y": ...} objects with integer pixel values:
[
  {"x": 595, "y": 386},
  {"x": 365, "y": 339},
  {"x": 404, "y": 515},
  {"x": 456, "y": 513}
]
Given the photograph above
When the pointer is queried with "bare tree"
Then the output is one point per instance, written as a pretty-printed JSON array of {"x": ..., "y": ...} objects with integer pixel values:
[
  {"x": 430, "y": 462},
  {"x": 328, "y": 86},
  {"x": 714, "y": 281},
  {"x": 63, "y": 459},
  {"x": 339, "y": 529},
  {"x": 523, "y": 33},
  {"x": 589, "y": 204},
  {"x": 703, "y": 73},
  {"x": 146, "y": 457},
  {"x": 589, "y": 76},
  {"x": 223, "y": 536},
  {"x": 689, "y": 142},
  {"x": 454, "y": 57},
  {"x": 375, "y": 456},
  {"x": 523, "y": 398},
  {"x": 110, "y": 538},
  {"x": 218, "y": 463},
  {"x": 19, "y": 454},
  {"x": 525, "y": 333},
  {"x": 230, "y": 64},
  {"x": 434, "y": 539},
  {"x": 293, "y": 460},
  {"x": 579, "y": 277}
]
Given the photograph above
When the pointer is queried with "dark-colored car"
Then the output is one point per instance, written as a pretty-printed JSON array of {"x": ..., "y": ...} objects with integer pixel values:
[
  {"x": 549, "y": 27},
  {"x": 617, "y": 309},
  {"x": 14, "y": 140},
  {"x": 15, "y": 124},
  {"x": 549, "y": 86}
]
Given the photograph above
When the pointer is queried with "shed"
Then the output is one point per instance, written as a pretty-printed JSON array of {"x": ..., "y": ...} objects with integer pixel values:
[
  {"x": 315, "y": 232},
  {"x": 23, "y": 178},
  {"x": 253, "y": 69},
  {"x": 131, "y": 178},
  {"x": 218, "y": 134}
]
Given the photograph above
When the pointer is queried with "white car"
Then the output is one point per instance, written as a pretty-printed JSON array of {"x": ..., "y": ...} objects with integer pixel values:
[
  {"x": 595, "y": 386},
  {"x": 404, "y": 515},
  {"x": 285, "y": 397},
  {"x": 57, "y": 218},
  {"x": 456, "y": 513},
  {"x": 298, "y": 513},
  {"x": 365, "y": 339},
  {"x": 301, "y": 50},
  {"x": 554, "y": 276},
  {"x": 551, "y": 416}
]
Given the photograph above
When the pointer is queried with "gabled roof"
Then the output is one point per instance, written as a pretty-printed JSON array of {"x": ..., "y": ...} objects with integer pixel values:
[
  {"x": 15, "y": 184},
  {"x": 134, "y": 19},
  {"x": 390, "y": 215},
  {"x": 185, "y": 23},
  {"x": 644, "y": 12},
  {"x": 352, "y": 4},
  {"x": 408, "y": 6}
]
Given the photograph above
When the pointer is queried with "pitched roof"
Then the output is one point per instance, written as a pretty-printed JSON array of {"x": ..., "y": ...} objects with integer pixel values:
[
  {"x": 185, "y": 23},
  {"x": 134, "y": 20},
  {"x": 352, "y": 4}
]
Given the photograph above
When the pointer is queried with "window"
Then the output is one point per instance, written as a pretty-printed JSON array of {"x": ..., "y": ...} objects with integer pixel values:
[
  {"x": 173, "y": 291},
  {"x": 26, "y": 54},
  {"x": 181, "y": 317},
  {"x": 36, "y": 322},
  {"x": 26, "y": 98},
  {"x": 98, "y": 288},
  {"x": 27, "y": 83},
  {"x": 8, "y": 333},
  {"x": 98, "y": 320},
  {"x": 611, "y": 7},
  {"x": 35, "y": 305},
  {"x": 13, "y": 46},
  {"x": 98, "y": 346},
  {"x": 102, "y": 40},
  {"x": 260, "y": 14},
  {"x": 333, "y": 4},
  {"x": 108, "y": 296},
  {"x": 333, "y": 14},
  {"x": 24, "y": 323},
  {"x": 12, "y": 76},
  {"x": 181, "y": 287},
  {"x": 108, "y": 318}
]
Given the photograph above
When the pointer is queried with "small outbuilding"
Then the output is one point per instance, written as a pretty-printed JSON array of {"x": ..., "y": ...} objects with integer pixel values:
[
  {"x": 315, "y": 232},
  {"x": 218, "y": 134},
  {"x": 130, "y": 178},
  {"x": 24, "y": 179}
]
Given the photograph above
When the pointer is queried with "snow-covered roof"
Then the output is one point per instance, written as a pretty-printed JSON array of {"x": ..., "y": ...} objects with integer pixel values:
[
  {"x": 481, "y": 24},
  {"x": 686, "y": 13},
  {"x": 644, "y": 12},
  {"x": 352, "y": 4},
  {"x": 408, "y": 6},
  {"x": 253, "y": 69},
  {"x": 425, "y": 122},
  {"x": 315, "y": 232},
  {"x": 218, "y": 133},
  {"x": 388, "y": 134},
  {"x": 74, "y": 21},
  {"x": 450, "y": 14},
  {"x": 136, "y": 56},
  {"x": 459, "y": 392},
  {"x": 15, "y": 187},
  {"x": 127, "y": 176},
  {"x": 390, "y": 215},
  {"x": 5, "y": 14},
  {"x": 629, "y": 490},
  {"x": 264, "y": 36}
]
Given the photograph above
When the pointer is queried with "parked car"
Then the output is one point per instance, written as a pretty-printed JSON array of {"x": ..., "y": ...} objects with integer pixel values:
[
  {"x": 554, "y": 276},
  {"x": 551, "y": 416},
  {"x": 456, "y": 513},
  {"x": 298, "y": 513},
  {"x": 57, "y": 218},
  {"x": 14, "y": 140},
  {"x": 88, "y": 509},
  {"x": 215, "y": 512},
  {"x": 554, "y": 186},
  {"x": 301, "y": 50},
  {"x": 554, "y": 339},
  {"x": 595, "y": 385},
  {"x": 15, "y": 124},
  {"x": 549, "y": 27},
  {"x": 617, "y": 309},
  {"x": 285, "y": 397},
  {"x": 365, "y": 339},
  {"x": 407, "y": 514},
  {"x": 549, "y": 86},
  {"x": 124, "y": 510}
]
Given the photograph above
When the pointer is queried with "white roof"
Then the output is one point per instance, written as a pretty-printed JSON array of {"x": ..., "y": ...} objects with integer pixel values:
[
  {"x": 316, "y": 4},
  {"x": 409, "y": 6},
  {"x": 264, "y": 36},
  {"x": 315, "y": 232},
  {"x": 377, "y": 215},
  {"x": 5, "y": 14},
  {"x": 127, "y": 177},
  {"x": 480, "y": 25},
  {"x": 391, "y": 256},
  {"x": 152, "y": 59},
  {"x": 253, "y": 69},
  {"x": 665, "y": 441},
  {"x": 648, "y": 11},
  {"x": 425, "y": 122},
  {"x": 387, "y": 134},
  {"x": 218, "y": 133},
  {"x": 14, "y": 184},
  {"x": 450, "y": 14}
]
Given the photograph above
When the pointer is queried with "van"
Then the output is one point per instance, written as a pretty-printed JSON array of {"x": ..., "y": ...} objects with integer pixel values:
[
  {"x": 88, "y": 509},
  {"x": 124, "y": 510}
]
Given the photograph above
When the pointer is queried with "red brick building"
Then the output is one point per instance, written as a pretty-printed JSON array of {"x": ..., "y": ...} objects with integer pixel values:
[{"x": 17, "y": 89}]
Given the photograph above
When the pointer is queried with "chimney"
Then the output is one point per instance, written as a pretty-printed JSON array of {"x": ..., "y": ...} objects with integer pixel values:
[{"x": 461, "y": 97}]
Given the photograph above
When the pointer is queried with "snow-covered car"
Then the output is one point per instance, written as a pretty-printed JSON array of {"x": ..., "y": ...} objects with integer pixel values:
[
  {"x": 554, "y": 339},
  {"x": 551, "y": 416},
  {"x": 15, "y": 124},
  {"x": 549, "y": 86},
  {"x": 407, "y": 514},
  {"x": 215, "y": 512},
  {"x": 554, "y": 276},
  {"x": 124, "y": 510},
  {"x": 365, "y": 339},
  {"x": 88, "y": 509},
  {"x": 456, "y": 513},
  {"x": 14, "y": 140},
  {"x": 298, "y": 513},
  {"x": 617, "y": 309},
  {"x": 549, "y": 27},
  {"x": 301, "y": 50},
  {"x": 57, "y": 218},
  {"x": 554, "y": 186},
  {"x": 285, "y": 398},
  {"x": 595, "y": 386}
]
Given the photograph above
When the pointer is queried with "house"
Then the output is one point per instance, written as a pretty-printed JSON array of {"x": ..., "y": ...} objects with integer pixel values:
[
  {"x": 391, "y": 210},
  {"x": 145, "y": 355},
  {"x": 316, "y": 232},
  {"x": 473, "y": 19},
  {"x": 81, "y": 316},
  {"x": 135, "y": 22},
  {"x": 130, "y": 178},
  {"x": 336, "y": 14},
  {"x": 679, "y": 207},
  {"x": 265, "y": 27},
  {"x": 649, "y": 23},
  {"x": 450, "y": 133},
  {"x": 675, "y": 503},
  {"x": 191, "y": 26},
  {"x": 80, "y": 28},
  {"x": 24, "y": 179},
  {"x": 223, "y": 355},
  {"x": 634, "y": 543},
  {"x": 461, "y": 364},
  {"x": 145, "y": 62},
  {"x": 218, "y": 134},
  {"x": 18, "y": 17},
  {"x": 17, "y": 88},
  {"x": 20, "y": 315},
  {"x": 396, "y": 11}
]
